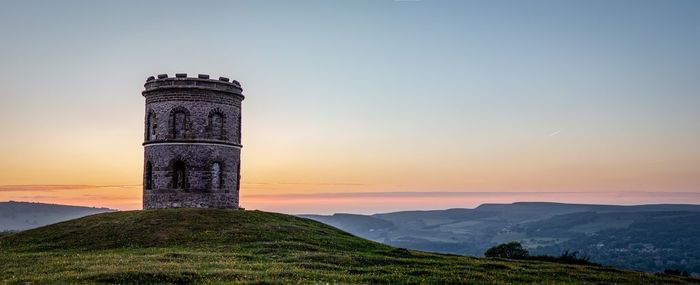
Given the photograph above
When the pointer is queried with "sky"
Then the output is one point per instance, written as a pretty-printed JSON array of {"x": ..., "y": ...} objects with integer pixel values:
[{"x": 365, "y": 106}]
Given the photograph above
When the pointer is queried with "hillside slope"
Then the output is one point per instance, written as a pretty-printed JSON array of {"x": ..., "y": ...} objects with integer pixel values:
[
  {"x": 206, "y": 246},
  {"x": 16, "y": 216},
  {"x": 645, "y": 237}
]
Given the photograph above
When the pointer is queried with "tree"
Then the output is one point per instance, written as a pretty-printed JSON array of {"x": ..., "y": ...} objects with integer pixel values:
[
  {"x": 677, "y": 272},
  {"x": 511, "y": 250}
]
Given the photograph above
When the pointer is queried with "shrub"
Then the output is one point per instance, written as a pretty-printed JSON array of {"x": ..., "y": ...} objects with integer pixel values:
[
  {"x": 566, "y": 257},
  {"x": 676, "y": 272},
  {"x": 515, "y": 250}
]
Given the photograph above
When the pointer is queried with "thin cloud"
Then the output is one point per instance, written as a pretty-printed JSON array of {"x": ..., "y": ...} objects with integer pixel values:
[
  {"x": 304, "y": 183},
  {"x": 342, "y": 195},
  {"x": 389, "y": 194},
  {"x": 53, "y": 187},
  {"x": 34, "y": 197}
]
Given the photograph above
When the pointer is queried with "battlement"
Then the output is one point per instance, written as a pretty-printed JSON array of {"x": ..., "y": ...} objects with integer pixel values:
[{"x": 202, "y": 81}]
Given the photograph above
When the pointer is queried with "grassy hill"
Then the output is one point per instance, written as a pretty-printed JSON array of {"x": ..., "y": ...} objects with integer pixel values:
[{"x": 183, "y": 246}]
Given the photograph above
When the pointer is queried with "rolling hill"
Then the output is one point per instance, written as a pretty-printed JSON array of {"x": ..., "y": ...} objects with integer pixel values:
[
  {"x": 15, "y": 216},
  {"x": 646, "y": 237},
  {"x": 209, "y": 246}
]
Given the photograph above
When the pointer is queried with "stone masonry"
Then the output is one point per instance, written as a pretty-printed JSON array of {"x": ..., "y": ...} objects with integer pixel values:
[{"x": 192, "y": 142}]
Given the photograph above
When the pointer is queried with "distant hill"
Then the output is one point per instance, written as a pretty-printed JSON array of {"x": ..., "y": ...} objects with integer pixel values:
[
  {"x": 211, "y": 246},
  {"x": 647, "y": 237},
  {"x": 16, "y": 216}
]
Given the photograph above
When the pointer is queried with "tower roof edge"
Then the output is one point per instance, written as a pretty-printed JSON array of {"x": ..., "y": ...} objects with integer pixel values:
[{"x": 202, "y": 81}]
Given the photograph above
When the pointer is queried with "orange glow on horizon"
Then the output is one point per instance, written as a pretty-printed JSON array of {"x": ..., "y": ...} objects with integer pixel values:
[{"x": 128, "y": 197}]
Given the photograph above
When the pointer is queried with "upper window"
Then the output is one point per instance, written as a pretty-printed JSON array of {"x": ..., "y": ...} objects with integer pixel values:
[
  {"x": 216, "y": 123},
  {"x": 179, "y": 124},
  {"x": 239, "y": 126},
  {"x": 150, "y": 125}
]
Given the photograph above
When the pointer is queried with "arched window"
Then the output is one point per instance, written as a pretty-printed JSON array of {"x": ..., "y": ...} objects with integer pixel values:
[
  {"x": 216, "y": 123},
  {"x": 150, "y": 125},
  {"x": 216, "y": 177},
  {"x": 239, "y": 127},
  {"x": 179, "y": 124},
  {"x": 148, "y": 176},
  {"x": 179, "y": 175}
]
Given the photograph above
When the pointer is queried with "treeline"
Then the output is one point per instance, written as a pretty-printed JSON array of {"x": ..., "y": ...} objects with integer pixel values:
[{"x": 515, "y": 250}]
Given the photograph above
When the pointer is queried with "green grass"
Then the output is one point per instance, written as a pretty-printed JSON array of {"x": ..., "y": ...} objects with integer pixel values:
[{"x": 206, "y": 246}]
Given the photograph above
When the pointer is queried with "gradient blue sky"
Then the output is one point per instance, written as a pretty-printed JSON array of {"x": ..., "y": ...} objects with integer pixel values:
[{"x": 367, "y": 96}]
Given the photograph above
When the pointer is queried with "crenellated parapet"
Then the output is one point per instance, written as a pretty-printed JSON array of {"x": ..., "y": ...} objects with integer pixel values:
[{"x": 202, "y": 82}]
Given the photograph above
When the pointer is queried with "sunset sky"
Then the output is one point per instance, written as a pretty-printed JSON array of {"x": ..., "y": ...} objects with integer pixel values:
[{"x": 365, "y": 106}]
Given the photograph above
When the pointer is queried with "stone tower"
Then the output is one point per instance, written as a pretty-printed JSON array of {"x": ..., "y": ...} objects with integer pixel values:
[{"x": 192, "y": 142}]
